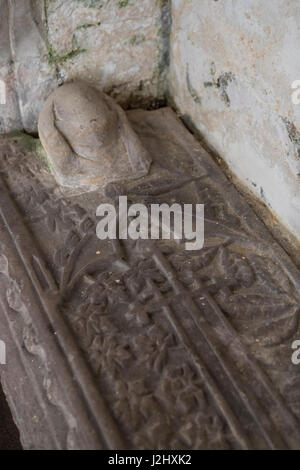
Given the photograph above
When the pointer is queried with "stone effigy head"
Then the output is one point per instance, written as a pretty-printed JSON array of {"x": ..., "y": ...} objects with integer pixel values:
[{"x": 88, "y": 139}]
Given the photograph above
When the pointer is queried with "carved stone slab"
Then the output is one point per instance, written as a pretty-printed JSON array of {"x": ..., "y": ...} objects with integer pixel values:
[{"x": 145, "y": 345}]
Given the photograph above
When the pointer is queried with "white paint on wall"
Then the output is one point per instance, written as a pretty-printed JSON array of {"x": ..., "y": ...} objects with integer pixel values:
[{"x": 233, "y": 63}]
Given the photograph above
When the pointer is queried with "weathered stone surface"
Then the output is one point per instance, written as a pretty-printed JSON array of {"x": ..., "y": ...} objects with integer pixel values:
[
  {"x": 10, "y": 118},
  {"x": 232, "y": 67},
  {"x": 24, "y": 65},
  {"x": 88, "y": 139},
  {"x": 34, "y": 78},
  {"x": 142, "y": 344},
  {"x": 116, "y": 46}
]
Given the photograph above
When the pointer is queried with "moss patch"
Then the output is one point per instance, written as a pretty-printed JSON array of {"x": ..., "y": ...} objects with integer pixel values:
[
  {"x": 161, "y": 67},
  {"x": 123, "y": 3},
  {"x": 162, "y": 3},
  {"x": 91, "y": 3},
  {"x": 88, "y": 25},
  {"x": 33, "y": 145},
  {"x": 137, "y": 39},
  {"x": 57, "y": 59}
]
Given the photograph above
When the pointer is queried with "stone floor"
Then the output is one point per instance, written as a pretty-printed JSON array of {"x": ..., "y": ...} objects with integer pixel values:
[{"x": 142, "y": 344}]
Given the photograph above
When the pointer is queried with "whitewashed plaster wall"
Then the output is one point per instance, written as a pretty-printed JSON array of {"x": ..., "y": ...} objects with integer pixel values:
[{"x": 232, "y": 66}]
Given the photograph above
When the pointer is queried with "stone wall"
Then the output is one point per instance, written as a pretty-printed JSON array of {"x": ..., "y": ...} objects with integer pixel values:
[
  {"x": 116, "y": 45},
  {"x": 232, "y": 66}
]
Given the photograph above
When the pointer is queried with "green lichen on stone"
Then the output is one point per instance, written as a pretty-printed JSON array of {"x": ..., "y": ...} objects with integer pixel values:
[
  {"x": 162, "y": 3},
  {"x": 57, "y": 59},
  {"x": 91, "y": 3},
  {"x": 81, "y": 28},
  {"x": 88, "y": 25},
  {"x": 33, "y": 145},
  {"x": 137, "y": 39},
  {"x": 42, "y": 155},
  {"x": 123, "y": 3},
  {"x": 161, "y": 66}
]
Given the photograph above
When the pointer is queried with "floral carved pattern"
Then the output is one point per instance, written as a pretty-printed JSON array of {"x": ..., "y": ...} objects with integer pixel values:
[{"x": 186, "y": 349}]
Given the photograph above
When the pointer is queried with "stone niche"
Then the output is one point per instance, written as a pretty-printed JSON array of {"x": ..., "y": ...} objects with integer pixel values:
[{"x": 114, "y": 45}]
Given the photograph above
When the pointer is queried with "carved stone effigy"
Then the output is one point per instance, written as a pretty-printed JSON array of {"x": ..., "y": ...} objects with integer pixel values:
[
  {"x": 142, "y": 344},
  {"x": 88, "y": 138}
]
